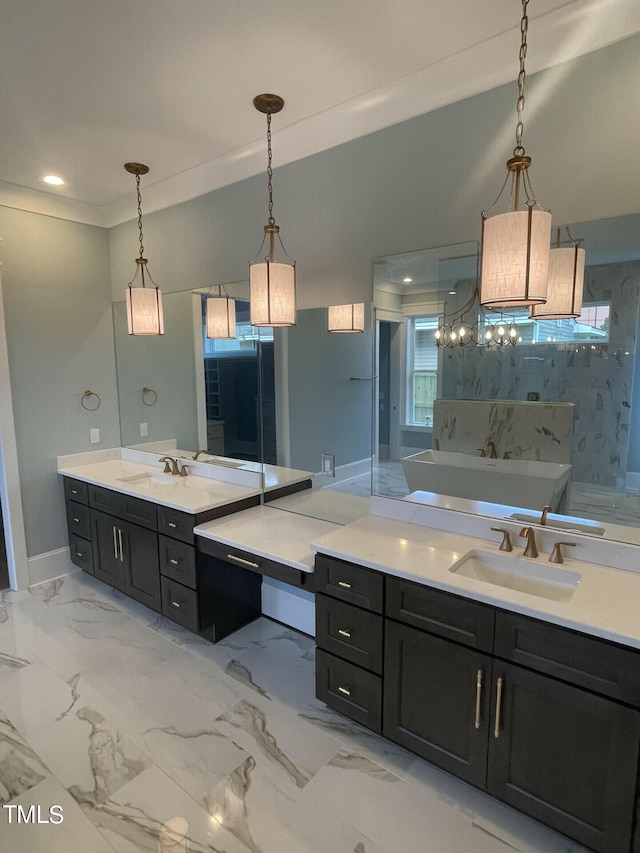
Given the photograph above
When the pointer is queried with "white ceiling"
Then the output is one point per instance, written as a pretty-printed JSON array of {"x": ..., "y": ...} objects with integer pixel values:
[{"x": 86, "y": 85}]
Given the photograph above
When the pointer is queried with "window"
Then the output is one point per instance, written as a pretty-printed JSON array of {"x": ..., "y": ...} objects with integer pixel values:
[{"x": 422, "y": 368}]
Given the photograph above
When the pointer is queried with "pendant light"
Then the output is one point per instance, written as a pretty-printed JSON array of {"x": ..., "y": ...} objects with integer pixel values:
[
  {"x": 346, "y": 319},
  {"x": 144, "y": 304},
  {"x": 221, "y": 316},
  {"x": 272, "y": 282},
  {"x": 515, "y": 245},
  {"x": 566, "y": 282}
]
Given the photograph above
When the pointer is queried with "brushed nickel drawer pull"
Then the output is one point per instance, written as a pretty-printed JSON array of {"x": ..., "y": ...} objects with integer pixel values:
[
  {"x": 120, "y": 543},
  {"x": 115, "y": 543},
  {"x": 79, "y": 554},
  {"x": 74, "y": 491},
  {"x": 344, "y": 690},
  {"x": 175, "y": 604},
  {"x": 344, "y": 584},
  {"x": 496, "y": 730},
  {"x": 243, "y": 562},
  {"x": 77, "y": 520},
  {"x": 478, "y": 696},
  {"x": 174, "y": 562},
  {"x": 172, "y": 524},
  {"x": 344, "y": 633}
]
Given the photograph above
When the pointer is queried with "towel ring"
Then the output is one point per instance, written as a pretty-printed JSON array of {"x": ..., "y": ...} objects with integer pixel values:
[
  {"x": 84, "y": 399},
  {"x": 151, "y": 395}
]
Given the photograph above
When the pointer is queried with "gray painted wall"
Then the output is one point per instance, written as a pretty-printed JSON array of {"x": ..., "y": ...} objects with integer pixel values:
[
  {"x": 329, "y": 412},
  {"x": 57, "y": 303},
  {"x": 417, "y": 184}
]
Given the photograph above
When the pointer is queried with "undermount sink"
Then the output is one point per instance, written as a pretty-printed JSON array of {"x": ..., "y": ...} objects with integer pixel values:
[
  {"x": 569, "y": 525},
  {"x": 147, "y": 480},
  {"x": 518, "y": 573}
]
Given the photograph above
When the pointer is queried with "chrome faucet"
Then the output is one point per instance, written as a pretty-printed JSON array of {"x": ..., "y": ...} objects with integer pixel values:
[
  {"x": 170, "y": 468},
  {"x": 530, "y": 549},
  {"x": 492, "y": 448},
  {"x": 195, "y": 455}
]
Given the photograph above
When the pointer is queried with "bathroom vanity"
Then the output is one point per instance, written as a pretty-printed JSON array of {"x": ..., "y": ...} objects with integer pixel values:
[
  {"x": 132, "y": 527},
  {"x": 498, "y": 688}
]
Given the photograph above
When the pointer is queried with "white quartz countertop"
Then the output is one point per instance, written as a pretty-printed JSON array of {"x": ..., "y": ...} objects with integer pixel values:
[
  {"x": 270, "y": 533},
  {"x": 192, "y": 494},
  {"x": 605, "y": 604}
]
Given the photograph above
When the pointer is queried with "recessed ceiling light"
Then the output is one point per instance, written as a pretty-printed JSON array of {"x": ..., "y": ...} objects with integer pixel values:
[
  {"x": 407, "y": 280},
  {"x": 54, "y": 180}
]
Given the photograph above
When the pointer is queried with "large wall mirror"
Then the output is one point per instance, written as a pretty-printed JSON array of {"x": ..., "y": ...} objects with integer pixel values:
[
  {"x": 582, "y": 372},
  {"x": 298, "y": 398}
]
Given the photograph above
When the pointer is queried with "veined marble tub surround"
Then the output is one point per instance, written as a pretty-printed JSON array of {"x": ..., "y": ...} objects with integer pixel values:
[
  {"x": 605, "y": 604},
  {"x": 199, "y": 491},
  {"x": 542, "y": 432}
]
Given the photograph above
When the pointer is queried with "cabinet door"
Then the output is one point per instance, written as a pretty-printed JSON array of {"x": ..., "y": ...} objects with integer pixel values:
[
  {"x": 141, "y": 564},
  {"x": 436, "y": 700},
  {"x": 107, "y": 565},
  {"x": 564, "y": 756}
]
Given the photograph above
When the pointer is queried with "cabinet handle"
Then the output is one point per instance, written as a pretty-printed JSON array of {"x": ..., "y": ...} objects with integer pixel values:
[
  {"x": 174, "y": 562},
  {"x": 344, "y": 690},
  {"x": 120, "y": 544},
  {"x": 172, "y": 524},
  {"x": 77, "y": 520},
  {"x": 344, "y": 633},
  {"x": 79, "y": 554},
  {"x": 243, "y": 562},
  {"x": 344, "y": 584},
  {"x": 115, "y": 543},
  {"x": 478, "y": 696},
  {"x": 74, "y": 491},
  {"x": 175, "y": 604},
  {"x": 496, "y": 730}
]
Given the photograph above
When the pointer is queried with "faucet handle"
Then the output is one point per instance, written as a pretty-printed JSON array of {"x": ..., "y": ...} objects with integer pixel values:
[
  {"x": 184, "y": 471},
  {"x": 507, "y": 454},
  {"x": 505, "y": 545},
  {"x": 556, "y": 554},
  {"x": 483, "y": 452}
]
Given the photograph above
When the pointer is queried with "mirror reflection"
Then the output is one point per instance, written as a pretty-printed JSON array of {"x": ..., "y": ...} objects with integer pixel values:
[{"x": 458, "y": 421}]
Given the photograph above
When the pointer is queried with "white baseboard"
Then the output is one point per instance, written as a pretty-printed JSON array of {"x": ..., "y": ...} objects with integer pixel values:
[
  {"x": 294, "y": 609},
  {"x": 49, "y": 566}
]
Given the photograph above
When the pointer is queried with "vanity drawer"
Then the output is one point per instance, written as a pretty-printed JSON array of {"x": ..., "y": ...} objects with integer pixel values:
[
  {"x": 349, "y": 632},
  {"x": 177, "y": 561},
  {"x": 81, "y": 553},
  {"x": 349, "y": 582},
  {"x": 123, "y": 506},
  {"x": 76, "y": 490},
  {"x": 179, "y": 604},
  {"x": 78, "y": 520},
  {"x": 350, "y": 690},
  {"x": 597, "y": 665},
  {"x": 441, "y": 613},
  {"x": 177, "y": 524}
]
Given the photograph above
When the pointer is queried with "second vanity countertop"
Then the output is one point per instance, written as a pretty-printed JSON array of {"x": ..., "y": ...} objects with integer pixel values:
[
  {"x": 605, "y": 604},
  {"x": 192, "y": 494}
]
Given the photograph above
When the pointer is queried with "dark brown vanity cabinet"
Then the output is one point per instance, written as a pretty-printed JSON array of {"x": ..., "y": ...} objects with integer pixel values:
[{"x": 544, "y": 718}]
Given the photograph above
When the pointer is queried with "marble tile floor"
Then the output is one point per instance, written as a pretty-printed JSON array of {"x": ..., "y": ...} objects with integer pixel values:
[{"x": 149, "y": 739}]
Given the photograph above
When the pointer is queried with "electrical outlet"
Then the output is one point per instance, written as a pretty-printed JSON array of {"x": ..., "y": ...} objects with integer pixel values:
[
  {"x": 95, "y": 436},
  {"x": 329, "y": 464},
  {"x": 144, "y": 430}
]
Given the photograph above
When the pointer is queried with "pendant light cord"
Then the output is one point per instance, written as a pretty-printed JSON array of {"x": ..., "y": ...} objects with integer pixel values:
[
  {"x": 270, "y": 170},
  {"x": 139, "y": 215},
  {"x": 524, "y": 26}
]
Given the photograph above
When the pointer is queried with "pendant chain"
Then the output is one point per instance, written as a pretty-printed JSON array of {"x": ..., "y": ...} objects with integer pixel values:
[
  {"x": 524, "y": 26},
  {"x": 270, "y": 170},
  {"x": 139, "y": 215}
]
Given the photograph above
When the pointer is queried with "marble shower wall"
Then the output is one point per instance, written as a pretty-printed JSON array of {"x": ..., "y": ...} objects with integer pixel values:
[
  {"x": 598, "y": 379},
  {"x": 539, "y": 431}
]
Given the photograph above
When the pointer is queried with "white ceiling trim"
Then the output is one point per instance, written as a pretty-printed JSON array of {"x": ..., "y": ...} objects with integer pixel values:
[{"x": 564, "y": 34}]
